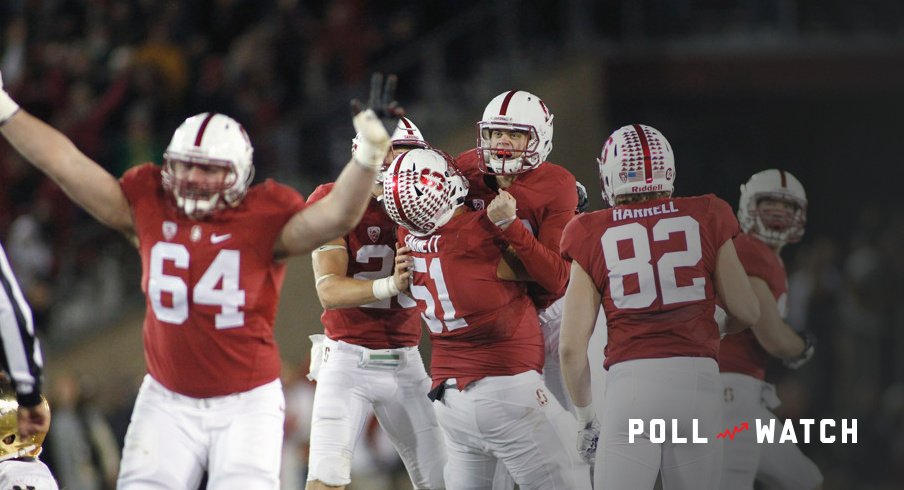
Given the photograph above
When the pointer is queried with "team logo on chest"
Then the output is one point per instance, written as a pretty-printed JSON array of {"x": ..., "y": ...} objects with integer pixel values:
[
  {"x": 373, "y": 232},
  {"x": 169, "y": 230},
  {"x": 477, "y": 204},
  {"x": 195, "y": 233}
]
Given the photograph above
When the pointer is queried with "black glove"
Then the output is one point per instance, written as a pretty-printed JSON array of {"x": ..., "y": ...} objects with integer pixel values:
[
  {"x": 583, "y": 201},
  {"x": 382, "y": 101}
]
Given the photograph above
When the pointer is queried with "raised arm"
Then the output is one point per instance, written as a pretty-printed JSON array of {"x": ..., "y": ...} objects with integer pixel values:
[
  {"x": 83, "y": 180},
  {"x": 336, "y": 214},
  {"x": 734, "y": 290},
  {"x": 339, "y": 212}
]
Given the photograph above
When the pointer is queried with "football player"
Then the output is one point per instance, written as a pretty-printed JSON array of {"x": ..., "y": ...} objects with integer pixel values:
[
  {"x": 211, "y": 246},
  {"x": 21, "y": 355},
  {"x": 490, "y": 398},
  {"x": 20, "y": 467},
  {"x": 514, "y": 139},
  {"x": 371, "y": 333},
  {"x": 655, "y": 265},
  {"x": 772, "y": 213}
]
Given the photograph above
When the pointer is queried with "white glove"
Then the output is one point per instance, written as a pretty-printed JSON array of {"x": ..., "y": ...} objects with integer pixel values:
[
  {"x": 373, "y": 141},
  {"x": 8, "y": 106},
  {"x": 588, "y": 432}
]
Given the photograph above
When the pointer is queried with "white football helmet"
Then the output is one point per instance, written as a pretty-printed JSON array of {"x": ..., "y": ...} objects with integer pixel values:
[
  {"x": 774, "y": 227},
  {"x": 515, "y": 110},
  {"x": 422, "y": 188},
  {"x": 636, "y": 159},
  {"x": 406, "y": 136},
  {"x": 214, "y": 140}
]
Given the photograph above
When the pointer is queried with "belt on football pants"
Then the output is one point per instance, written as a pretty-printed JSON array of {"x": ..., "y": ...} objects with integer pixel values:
[{"x": 379, "y": 359}]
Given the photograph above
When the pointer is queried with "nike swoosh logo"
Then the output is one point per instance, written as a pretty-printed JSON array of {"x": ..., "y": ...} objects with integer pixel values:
[{"x": 214, "y": 238}]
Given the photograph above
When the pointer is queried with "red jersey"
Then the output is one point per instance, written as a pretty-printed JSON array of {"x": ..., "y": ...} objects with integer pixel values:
[
  {"x": 212, "y": 286},
  {"x": 547, "y": 200},
  {"x": 741, "y": 352},
  {"x": 653, "y": 263},
  {"x": 479, "y": 324},
  {"x": 383, "y": 324}
]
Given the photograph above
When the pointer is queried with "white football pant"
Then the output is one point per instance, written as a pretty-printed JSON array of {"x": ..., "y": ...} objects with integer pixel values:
[
  {"x": 514, "y": 419},
  {"x": 172, "y": 439},
  {"x": 781, "y": 466},
  {"x": 682, "y": 388},
  {"x": 342, "y": 402}
]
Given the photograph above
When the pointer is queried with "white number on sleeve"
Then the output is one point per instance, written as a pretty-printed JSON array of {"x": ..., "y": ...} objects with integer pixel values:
[
  {"x": 435, "y": 321},
  {"x": 223, "y": 271},
  {"x": 641, "y": 266}
]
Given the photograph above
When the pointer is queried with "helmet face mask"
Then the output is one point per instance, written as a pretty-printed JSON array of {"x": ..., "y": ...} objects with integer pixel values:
[
  {"x": 422, "y": 188},
  {"x": 12, "y": 445},
  {"x": 636, "y": 159},
  {"x": 773, "y": 207},
  {"x": 209, "y": 142},
  {"x": 514, "y": 111}
]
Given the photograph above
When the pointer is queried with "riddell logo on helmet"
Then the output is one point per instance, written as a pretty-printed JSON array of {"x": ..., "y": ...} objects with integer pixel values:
[{"x": 646, "y": 188}]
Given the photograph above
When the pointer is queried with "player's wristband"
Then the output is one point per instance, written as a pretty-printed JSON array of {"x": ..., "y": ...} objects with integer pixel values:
[
  {"x": 8, "y": 107},
  {"x": 505, "y": 222},
  {"x": 385, "y": 288},
  {"x": 585, "y": 415}
]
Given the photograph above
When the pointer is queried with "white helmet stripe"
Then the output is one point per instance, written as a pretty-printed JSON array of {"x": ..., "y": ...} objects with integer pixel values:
[{"x": 647, "y": 158}]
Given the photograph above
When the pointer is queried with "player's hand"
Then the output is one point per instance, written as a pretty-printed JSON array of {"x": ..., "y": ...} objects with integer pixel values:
[
  {"x": 583, "y": 200},
  {"x": 501, "y": 209},
  {"x": 403, "y": 265},
  {"x": 32, "y": 420},
  {"x": 806, "y": 355},
  {"x": 588, "y": 438},
  {"x": 382, "y": 101},
  {"x": 8, "y": 106},
  {"x": 588, "y": 432}
]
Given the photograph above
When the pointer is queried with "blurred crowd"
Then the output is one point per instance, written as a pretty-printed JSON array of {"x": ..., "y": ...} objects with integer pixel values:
[{"x": 118, "y": 76}]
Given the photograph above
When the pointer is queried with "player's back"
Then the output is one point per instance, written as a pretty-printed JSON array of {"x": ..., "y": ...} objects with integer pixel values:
[
  {"x": 654, "y": 263},
  {"x": 742, "y": 352},
  {"x": 479, "y": 325},
  {"x": 383, "y": 324}
]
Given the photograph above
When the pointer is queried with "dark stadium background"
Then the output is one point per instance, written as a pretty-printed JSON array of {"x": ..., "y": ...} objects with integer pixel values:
[{"x": 815, "y": 87}]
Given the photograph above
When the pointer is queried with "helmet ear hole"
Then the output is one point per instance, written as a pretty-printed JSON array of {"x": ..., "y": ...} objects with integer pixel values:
[{"x": 9, "y": 439}]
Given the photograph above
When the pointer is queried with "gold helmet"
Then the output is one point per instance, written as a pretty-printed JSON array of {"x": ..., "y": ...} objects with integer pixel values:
[{"x": 12, "y": 445}]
